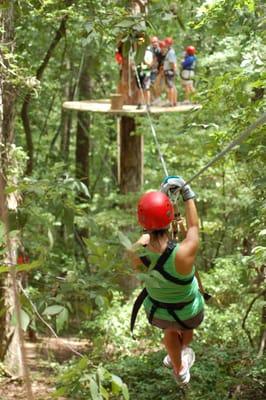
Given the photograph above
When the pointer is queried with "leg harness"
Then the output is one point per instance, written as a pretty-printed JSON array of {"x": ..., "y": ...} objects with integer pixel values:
[{"x": 170, "y": 307}]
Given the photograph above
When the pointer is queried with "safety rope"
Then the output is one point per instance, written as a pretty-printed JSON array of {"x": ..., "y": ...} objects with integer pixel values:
[
  {"x": 77, "y": 353},
  {"x": 151, "y": 124},
  {"x": 260, "y": 121}
]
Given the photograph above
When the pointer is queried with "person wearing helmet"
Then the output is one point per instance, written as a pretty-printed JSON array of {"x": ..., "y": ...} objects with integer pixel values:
[
  {"x": 143, "y": 79},
  {"x": 188, "y": 72},
  {"x": 157, "y": 58},
  {"x": 158, "y": 77},
  {"x": 170, "y": 68},
  {"x": 171, "y": 297}
]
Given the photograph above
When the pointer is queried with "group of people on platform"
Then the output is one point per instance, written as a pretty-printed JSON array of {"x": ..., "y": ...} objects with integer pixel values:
[
  {"x": 159, "y": 70},
  {"x": 160, "y": 67}
]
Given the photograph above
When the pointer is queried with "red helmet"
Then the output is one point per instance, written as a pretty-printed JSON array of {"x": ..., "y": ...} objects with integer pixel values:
[
  {"x": 118, "y": 57},
  {"x": 155, "y": 211},
  {"x": 191, "y": 50},
  {"x": 162, "y": 44},
  {"x": 168, "y": 41}
]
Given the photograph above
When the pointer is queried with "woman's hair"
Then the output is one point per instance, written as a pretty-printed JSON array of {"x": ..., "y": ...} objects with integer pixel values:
[{"x": 157, "y": 234}]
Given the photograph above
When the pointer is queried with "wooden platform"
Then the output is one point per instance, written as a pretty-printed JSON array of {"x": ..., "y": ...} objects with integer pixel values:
[{"x": 104, "y": 106}]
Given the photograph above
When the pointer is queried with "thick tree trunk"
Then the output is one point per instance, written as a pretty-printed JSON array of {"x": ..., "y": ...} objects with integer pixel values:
[
  {"x": 130, "y": 156},
  {"x": 6, "y": 138},
  {"x": 7, "y": 91},
  {"x": 12, "y": 349},
  {"x": 128, "y": 86},
  {"x": 2, "y": 293}
]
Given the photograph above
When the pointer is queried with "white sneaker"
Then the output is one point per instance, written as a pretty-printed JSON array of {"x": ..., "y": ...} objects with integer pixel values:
[
  {"x": 188, "y": 359},
  {"x": 186, "y": 350},
  {"x": 167, "y": 361}
]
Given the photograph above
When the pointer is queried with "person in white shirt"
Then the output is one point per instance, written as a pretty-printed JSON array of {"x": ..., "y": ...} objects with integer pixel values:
[
  {"x": 170, "y": 68},
  {"x": 143, "y": 79}
]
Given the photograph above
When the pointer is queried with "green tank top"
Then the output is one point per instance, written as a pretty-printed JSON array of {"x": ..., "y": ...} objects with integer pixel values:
[{"x": 166, "y": 291}]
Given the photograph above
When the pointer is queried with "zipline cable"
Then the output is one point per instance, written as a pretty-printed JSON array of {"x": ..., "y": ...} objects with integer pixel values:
[
  {"x": 151, "y": 124},
  {"x": 260, "y": 121},
  {"x": 157, "y": 143},
  {"x": 77, "y": 353}
]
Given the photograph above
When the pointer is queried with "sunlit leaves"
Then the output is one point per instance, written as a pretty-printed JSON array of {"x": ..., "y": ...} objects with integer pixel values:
[{"x": 100, "y": 384}]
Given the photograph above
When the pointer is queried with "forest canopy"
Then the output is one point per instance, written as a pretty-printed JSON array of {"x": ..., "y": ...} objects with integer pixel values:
[{"x": 67, "y": 216}]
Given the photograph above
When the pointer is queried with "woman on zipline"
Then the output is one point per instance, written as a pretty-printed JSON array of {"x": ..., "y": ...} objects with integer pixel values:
[{"x": 172, "y": 299}]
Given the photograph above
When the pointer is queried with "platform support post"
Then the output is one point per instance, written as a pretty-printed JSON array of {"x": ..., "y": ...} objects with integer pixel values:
[{"x": 130, "y": 156}]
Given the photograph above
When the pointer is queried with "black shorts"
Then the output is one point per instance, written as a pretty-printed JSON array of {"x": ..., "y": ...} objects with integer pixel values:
[{"x": 144, "y": 81}]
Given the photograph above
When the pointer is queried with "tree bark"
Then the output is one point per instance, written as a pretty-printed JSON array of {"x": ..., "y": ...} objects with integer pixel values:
[
  {"x": 83, "y": 125},
  {"x": 130, "y": 156},
  {"x": 66, "y": 120},
  {"x": 263, "y": 324},
  {"x": 7, "y": 90},
  {"x": 7, "y": 93},
  {"x": 12, "y": 348},
  {"x": 26, "y": 103}
]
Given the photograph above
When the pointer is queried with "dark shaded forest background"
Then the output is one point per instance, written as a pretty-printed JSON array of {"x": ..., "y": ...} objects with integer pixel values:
[{"x": 66, "y": 209}]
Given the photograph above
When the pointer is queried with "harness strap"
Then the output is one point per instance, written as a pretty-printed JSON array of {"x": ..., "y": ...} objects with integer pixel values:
[
  {"x": 138, "y": 303},
  {"x": 143, "y": 294},
  {"x": 178, "y": 320},
  {"x": 164, "y": 256},
  {"x": 161, "y": 261},
  {"x": 146, "y": 261},
  {"x": 152, "y": 312},
  {"x": 171, "y": 308},
  {"x": 171, "y": 278}
]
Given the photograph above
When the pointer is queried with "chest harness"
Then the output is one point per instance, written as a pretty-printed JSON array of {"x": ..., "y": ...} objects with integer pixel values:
[
  {"x": 170, "y": 307},
  {"x": 187, "y": 73}
]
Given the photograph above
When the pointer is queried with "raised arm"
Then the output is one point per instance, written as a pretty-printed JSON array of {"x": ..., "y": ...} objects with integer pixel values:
[{"x": 186, "y": 253}]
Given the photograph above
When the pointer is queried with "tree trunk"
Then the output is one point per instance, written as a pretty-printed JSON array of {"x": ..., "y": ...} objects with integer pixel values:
[
  {"x": 83, "y": 140},
  {"x": 6, "y": 138},
  {"x": 130, "y": 156},
  {"x": 12, "y": 348},
  {"x": 39, "y": 73},
  {"x": 83, "y": 125},
  {"x": 7, "y": 90},
  {"x": 66, "y": 120}
]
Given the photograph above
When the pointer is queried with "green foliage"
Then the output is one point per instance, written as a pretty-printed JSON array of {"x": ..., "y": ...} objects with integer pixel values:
[
  {"x": 223, "y": 358},
  {"x": 222, "y": 370},
  {"x": 80, "y": 379},
  {"x": 111, "y": 331},
  {"x": 77, "y": 270}
]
